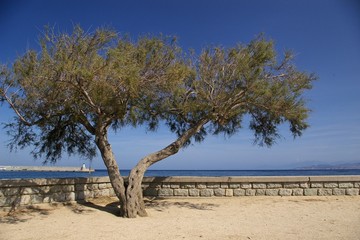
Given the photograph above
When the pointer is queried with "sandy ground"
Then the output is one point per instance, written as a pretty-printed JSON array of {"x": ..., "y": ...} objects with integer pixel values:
[{"x": 193, "y": 218}]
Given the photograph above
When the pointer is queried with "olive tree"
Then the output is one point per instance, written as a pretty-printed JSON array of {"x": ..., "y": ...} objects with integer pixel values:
[{"x": 68, "y": 95}]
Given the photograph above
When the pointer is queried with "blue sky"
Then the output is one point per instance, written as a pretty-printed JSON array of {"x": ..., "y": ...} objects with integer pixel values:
[{"x": 324, "y": 34}]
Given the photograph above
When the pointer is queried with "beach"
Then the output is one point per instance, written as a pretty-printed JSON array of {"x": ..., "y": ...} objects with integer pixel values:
[{"x": 317, "y": 217}]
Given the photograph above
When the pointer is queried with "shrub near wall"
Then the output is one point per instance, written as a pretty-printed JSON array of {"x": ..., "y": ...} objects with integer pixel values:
[{"x": 18, "y": 192}]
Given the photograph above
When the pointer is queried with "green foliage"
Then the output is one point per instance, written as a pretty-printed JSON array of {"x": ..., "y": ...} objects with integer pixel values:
[{"x": 80, "y": 84}]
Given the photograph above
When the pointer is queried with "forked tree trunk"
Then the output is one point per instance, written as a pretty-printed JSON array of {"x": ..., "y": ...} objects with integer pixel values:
[
  {"x": 134, "y": 195},
  {"x": 131, "y": 197},
  {"x": 117, "y": 182}
]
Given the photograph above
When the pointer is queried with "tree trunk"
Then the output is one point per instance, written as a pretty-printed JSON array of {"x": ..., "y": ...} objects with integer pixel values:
[
  {"x": 117, "y": 182},
  {"x": 134, "y": 196},
  {"x": 131, "y": 198}
]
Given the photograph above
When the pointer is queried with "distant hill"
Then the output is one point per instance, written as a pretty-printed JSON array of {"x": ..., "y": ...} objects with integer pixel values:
[{"x": 329, "y": 166}]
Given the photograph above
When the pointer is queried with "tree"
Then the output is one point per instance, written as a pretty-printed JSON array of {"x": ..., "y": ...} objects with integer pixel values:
[{"x": 70, "y": 93}]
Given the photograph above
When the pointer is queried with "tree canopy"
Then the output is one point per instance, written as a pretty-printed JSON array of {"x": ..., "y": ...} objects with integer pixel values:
[{"x": 68, "y": 94}]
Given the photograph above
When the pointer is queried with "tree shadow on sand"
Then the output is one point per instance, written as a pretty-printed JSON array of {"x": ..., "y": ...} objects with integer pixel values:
[
  {"x": 161, "y": 204},
  {"x": 157, "y": 204},
  {"x": 112, "y": 207},
  {"x": 107, "y": 205},
  {"x": 23, "y": 215}
]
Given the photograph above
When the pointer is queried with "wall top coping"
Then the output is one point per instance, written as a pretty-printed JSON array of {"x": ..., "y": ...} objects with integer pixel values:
[{"x": 182, "y": 179}]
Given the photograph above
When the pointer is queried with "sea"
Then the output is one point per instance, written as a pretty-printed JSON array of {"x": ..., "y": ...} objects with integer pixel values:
[{"x": 168, "y": 173}]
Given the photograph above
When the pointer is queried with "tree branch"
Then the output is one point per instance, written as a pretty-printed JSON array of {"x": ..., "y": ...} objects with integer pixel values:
[
  {"x": 174, "y": 147},
  {"x": 17, "y": 112},
  {"x": 90, "y": 101},
  {"x": 85, "y": 122}
]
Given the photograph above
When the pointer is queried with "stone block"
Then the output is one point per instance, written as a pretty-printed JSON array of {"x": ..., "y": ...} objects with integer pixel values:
[
  {"x": 11, "y": 191},
  {"x": 219, "y": 192},
  {"x": 181, "y": 192},
  {"x": 274, "y": 185},
  {"x": 10, "y": 201},
  {"x": 153, "y": 192},
  {"x": 3, "y": 201},
  {"x": 291, "y": 185},
  {"x": 331, "y": 185},
  {"x": 69, "y": 188},
  {"x": 103, "y": 186},
  {"x": 339, "y": 191},
  {"x": 97, "y": 194},
  {"x": 346, "y": 185},
  {"x": 250, "y": 192},
  {"x": 201, "y": 185},
  {"x": 352, "y": 191},
  {"x": 224, "y": 185},
  {"x": 357, "y": 184},
  {"x": 89, "y": 194},
  {"x": 213, "y": 185},
  {"x": 259, "y": 185},
  {"x": 245, "y": 185},
  {"x": 155, "y": 185},
  {"x": 166, "y": 185},
  {"x": 56, "y": 189},
  {"x": 239, "y": 192},
  {"x": 28, "y": 191},
  {"x": 174, "y": 186},
  {"x": 112, "y": 192},
  {"x": 58, "y": 197},
  {"x": 229, "y": 192},
  {"x": 105, "y": 192},
  {"x": 46, "y": 199},
  {"x": 304, "y": 185},
  {"x": 194, "y": 192},
  {"x": 92, "y": 186},
  {"x": 310, "y": 192},
  {"x": 355, "y": 178},
  {"x": 260, "y": 192},
  {"x": 188, "y": 185},
  {"x": 70, "y": 196},
  {"x": 234, "y": 185},
  {"x": 80, "y": 195},
  {"x": 285, "y": 192},
  {"x": 325, "y": 192},
  {"x": 206, "y": 192},
  {"x": 36, "y": 199},
  {"x": 272, "y": 192},
  {"x": 298, "y": 192},
  {"x": 45, "y": 189},
  {"x": 25, "y": 200},
  {"x": 166, "y": 192},
  {"x": 316, "y": 185},
  {"x": 80, "y": 187}
]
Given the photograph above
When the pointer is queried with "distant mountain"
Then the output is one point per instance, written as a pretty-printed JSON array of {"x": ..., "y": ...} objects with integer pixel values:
[{"x": 329, "y": 166}]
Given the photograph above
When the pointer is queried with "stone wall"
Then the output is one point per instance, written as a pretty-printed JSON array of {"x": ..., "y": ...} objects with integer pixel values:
[{"x": 17, "y": 192}]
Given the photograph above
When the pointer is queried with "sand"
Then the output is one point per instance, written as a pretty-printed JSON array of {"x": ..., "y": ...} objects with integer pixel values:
[{"x": 193, "y": 218}]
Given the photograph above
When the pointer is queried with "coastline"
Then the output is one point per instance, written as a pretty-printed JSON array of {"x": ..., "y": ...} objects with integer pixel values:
[
  {"x": 45, "y": 169},
  {"x": 75, "y": 173}
]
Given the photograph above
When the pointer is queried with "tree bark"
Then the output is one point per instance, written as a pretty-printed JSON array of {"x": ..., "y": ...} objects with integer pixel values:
[
  {"x": 116, "y": 180},
  {"x": 131, "y": 197},
  {"x": 135, "y": 203}
]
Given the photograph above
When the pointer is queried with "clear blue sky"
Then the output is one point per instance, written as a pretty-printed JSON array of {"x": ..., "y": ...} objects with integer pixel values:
[{"x": 324, "y": 34}]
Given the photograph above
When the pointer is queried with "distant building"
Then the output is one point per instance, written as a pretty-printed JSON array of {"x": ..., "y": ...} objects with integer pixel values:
[{"x": 83, "y": 167}]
